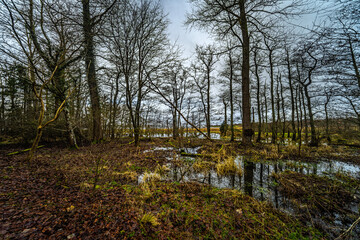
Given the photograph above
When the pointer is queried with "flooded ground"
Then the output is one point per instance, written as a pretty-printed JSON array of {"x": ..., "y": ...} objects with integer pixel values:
[{"x": 257, "y": 179}]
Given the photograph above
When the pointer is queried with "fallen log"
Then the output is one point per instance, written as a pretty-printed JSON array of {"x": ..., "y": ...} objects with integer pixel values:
[{"x": 23, "y": 151}]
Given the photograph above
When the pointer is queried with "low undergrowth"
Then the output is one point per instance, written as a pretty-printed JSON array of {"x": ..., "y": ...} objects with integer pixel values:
[
  {"x": 320, "y": 199},
  {"x": 91, "y": 193}
]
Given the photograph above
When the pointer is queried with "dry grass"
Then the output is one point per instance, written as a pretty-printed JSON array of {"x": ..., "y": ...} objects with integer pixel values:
[
  {"x": 202, "y": 166},
  {"x": 149, "y": 218},
  {"x": 228, "y": 167}
]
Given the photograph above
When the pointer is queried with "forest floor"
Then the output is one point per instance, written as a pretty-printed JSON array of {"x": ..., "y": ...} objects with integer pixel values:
[{"x": 115, "y": 190}]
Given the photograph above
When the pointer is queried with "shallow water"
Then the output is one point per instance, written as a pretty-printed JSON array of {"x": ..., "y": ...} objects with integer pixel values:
[{"x": 257, "y": 180}]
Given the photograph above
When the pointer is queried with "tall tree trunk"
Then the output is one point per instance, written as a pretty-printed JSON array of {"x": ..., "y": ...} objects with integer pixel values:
[
  {"x": 353, "y": 58},
  {"x": 298, "y": 111},
  {"x": 258, "y": 96},
  {"x": 88, "y": 29},
  {"x": 305, "y": 115},
  {"x": 299, "y": 116},
  {"x": 327, "y": 134},
  {"x": 208, "y": 124},
  {"x": 245, "y": 73},
  {"x": 314, "y": 139},
  {"x": 2, "y": 110},
  {"x": 225, "y": 119},
  {"x": 175, "y": 124},
  {"x": 291, "y": 96},
  {"x": 272, "y": 99},
  {"x": 113, "y": 125},
  {"x": 266, "y": 113},
  {"x": 283, "y": 109},
  {"x": 278, "y": 120},
  {"x": 232, "y": 138}
]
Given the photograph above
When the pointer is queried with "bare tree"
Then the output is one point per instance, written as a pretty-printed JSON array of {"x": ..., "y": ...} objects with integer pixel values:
[
  {"x": 236, "y": 17},
  {"x": 308, "y": 64},
  {"x": 88, "y": 25},
  {"x": 206, "y": 55},
  {"x": 137, "y": 45}
]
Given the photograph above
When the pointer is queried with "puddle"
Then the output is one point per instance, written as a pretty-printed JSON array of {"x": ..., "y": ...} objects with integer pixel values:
[
  {"x": 173, "y": 149},
  {"x": 257, "y": 180},
  {"x": 212, "y": 136},
  {"x": 160, "y": 149}
]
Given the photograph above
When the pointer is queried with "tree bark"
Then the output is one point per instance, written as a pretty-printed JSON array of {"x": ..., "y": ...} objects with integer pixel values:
[
  {"x": 291, "y": 96},
  {"x": 88, "y": 29},
  {"x": 69, "y": 127},
  {"x": 283, "y": 109},
  {"x": 258, "y": 96},
  {"x": 245, "y": 73},
  {"x": 353, "y": 58},
  {"x": 272, "y": 98},
  {"x": 232, "y": 138}
]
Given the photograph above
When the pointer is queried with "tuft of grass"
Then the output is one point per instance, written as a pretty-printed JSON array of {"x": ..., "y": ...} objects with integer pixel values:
[
  {"x": 149, "y": 218},
  {"x": 127, "y": 175},
  {"x": 228, "y": 167},
  {"x": 151, "y": 177},
  {"x": 202, "y": 166},
  {"x": 162, "y": 170}
]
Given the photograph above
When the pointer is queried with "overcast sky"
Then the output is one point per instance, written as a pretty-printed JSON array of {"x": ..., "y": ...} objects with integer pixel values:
[{"x": 186, "y": 38}]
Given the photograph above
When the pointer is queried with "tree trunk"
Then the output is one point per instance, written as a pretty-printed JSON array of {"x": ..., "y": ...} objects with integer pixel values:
[
  {"x": 327, "y": 135},
  {"x": 35, "y": 144},
  {"x": 314, "y": 140},
  {"x": 88, "y": 29},
  {"x": 266, "y": 114},
  {"x": 272, "y": 98},
  {"x": 283, "y": 109},
  {"x": 223, "y": 131},
  {"x": 175, "y": 125},
  {"x": 353, "y": 58},
  {"x": 208, "y": 124},
  {"x": 69, "y": 128},
  {"x": 258, "y": 96},
  {"x": 299, "y": 117},
  {"x": 2, "y": 110},
  {"x": 305, "y": 116},
  {"x": 232, "y": 138},
  {"x": 113, "y": 125},
  {"x": 245, "y": 73},
  {"x": 278, "y": 120},
  {"x": 291, "y": 97}
]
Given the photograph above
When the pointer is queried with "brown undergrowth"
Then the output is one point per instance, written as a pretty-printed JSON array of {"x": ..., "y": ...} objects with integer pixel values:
[
  {"x": 319, "y": 199},
  {"x": 91, "y": 193}
]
